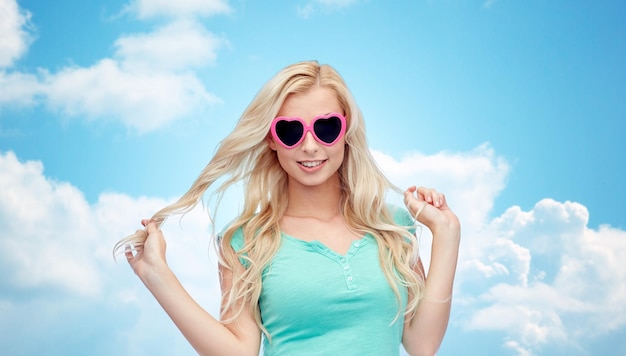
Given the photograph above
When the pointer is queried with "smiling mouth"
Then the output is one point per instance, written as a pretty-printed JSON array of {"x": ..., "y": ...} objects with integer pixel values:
[{"x": 311, "y": 164}]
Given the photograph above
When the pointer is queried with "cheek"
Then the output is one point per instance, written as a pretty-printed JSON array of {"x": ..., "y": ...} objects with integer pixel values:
[
  {"x": 341, "y": 146},
  {"x": 338, "y": 151},
  {"x": 283, "y": 155}
]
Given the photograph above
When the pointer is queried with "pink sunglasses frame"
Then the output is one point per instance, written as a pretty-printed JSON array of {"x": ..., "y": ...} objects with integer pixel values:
[{"x": 308, "y": 128}]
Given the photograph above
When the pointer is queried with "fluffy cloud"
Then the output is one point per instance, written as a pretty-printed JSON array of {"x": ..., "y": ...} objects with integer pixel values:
[
  {"x": 543, "y": 276},
  {"x": 181, "y": 8},
  {"x": 19, "y": 89},
  {"x": 471, "y": 180},
  {"x": 142, "y": 100},
  {"x": 148, "y": 82},
  {"x": 47, "y": 257},
  {"x": 15, "y": 36},
  {"x": 58, "y": 274},
  {"x": 176, "y": 46}
]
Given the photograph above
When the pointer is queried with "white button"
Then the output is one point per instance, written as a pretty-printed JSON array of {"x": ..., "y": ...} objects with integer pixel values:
[
  {"x": 356, "y": 244},
  {"x": 343, "y": 260},
  {"x": 349, "y": 278},
  {"x": 346, "y": 267}
]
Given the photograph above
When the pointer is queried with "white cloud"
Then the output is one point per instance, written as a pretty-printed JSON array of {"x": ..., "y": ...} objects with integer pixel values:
[
  {"x": 148, "y": 83},
  {"x": 515, "y": 346},
  {"x": 15, "y": 32},
  {"x": 55, "y": 258},
  {"x": 45, "y": 231},
  {"x": 567, "y": 279},
  {"x": 19, "y": 89},
  {"x": 470, "y": 180},
  {"x": 182, "y": 8},
  {"x": 144, "y": 101},
  {"x": 175, "y": 46}
]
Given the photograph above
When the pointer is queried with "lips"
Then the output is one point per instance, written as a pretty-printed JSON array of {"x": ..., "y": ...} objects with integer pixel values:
[{"x": 311, "y": 164}]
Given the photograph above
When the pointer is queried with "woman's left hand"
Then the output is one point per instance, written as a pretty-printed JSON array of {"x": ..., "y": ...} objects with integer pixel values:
[
  {"x": 425, "y": 329},
  {"x": 433, "y": 209}
]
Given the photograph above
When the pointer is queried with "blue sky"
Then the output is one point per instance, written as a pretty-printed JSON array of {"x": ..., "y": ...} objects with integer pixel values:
[{"x": 515, "y": 109}]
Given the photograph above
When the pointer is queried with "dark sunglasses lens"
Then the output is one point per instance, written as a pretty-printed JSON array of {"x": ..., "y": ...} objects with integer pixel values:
[
  {"x": 289, "y": 132},
  {"x": 327, "y": 129}
]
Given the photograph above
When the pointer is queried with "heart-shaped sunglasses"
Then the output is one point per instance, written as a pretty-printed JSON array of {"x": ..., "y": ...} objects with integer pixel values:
[{"x": 291, "y": 131}]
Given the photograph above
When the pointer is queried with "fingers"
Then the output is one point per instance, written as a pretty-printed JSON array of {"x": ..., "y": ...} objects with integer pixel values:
[
  {"x": 419, "y": 210},
  {"x": 432, "y": 208},
  {"x": 128, "y": 252},
  {"x": 414, "y": 205},
  {"x": 152, "y": 233},
  {"x": 428, "y": 195},
  {"x": 151, "y": 225},
  {"x": 131, "y": 250},
  {"x": 431, "y": 196}
]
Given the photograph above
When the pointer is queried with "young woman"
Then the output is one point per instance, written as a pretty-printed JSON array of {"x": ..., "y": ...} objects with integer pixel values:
[{"x": 316, "y": 263}]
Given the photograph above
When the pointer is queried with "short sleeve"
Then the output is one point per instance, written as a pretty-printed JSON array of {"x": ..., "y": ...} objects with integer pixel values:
[
  {"x": 236, "y": 242},
  {"x": 402, "y": 217}
]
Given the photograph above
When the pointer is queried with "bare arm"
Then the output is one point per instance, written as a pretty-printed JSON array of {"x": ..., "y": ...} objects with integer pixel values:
[
  {"x": 207, "y": 335},
  {"x": 424, "y": 331}
]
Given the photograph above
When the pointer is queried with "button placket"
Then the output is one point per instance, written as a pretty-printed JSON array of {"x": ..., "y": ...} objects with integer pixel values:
[
  {"x": 345, "y": 264},
  {"x": 347, "y": 272}
]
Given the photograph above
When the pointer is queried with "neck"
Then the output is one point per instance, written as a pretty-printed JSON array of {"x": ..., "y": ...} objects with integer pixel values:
[{"x": 320, "y": 202}]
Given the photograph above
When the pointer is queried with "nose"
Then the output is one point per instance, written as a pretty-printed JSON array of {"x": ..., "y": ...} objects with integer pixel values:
[{"x": 309, "y": 144}]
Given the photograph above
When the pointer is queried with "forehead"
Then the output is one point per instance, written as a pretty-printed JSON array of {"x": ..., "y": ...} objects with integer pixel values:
[{"x": 314, "y": 102}]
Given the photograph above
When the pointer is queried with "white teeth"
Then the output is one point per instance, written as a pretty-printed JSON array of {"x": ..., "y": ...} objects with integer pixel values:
[{"x": 311, "y": 164}]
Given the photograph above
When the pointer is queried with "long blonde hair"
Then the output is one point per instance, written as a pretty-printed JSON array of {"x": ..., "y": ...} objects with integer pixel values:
[{"x": 244, "y": 156}]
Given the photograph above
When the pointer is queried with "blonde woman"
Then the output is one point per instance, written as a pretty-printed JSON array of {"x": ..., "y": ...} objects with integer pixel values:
[{"x": 316, "y": 263}]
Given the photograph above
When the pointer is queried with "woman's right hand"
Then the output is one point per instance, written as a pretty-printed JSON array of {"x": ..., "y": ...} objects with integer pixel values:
[
  {"x": 150, "y": 256},
  {"x": 205, "y": 333}
]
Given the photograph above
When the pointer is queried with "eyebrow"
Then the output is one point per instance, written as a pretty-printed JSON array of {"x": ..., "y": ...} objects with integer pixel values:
[{"x": 299, "y": 117}]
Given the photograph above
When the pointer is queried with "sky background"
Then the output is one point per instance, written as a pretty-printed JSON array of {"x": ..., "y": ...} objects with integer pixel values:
[{"x": 514, "y": 109}]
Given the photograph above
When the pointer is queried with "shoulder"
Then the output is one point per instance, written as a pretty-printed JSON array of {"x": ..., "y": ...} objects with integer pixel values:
[
  {"x": 400, "y": 215},
  {"x": 237, "y": 242},
  {"x": 236, "y": 239}
]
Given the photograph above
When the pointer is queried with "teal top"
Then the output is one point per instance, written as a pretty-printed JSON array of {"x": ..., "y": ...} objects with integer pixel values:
[{"x": 315, "y": 301}]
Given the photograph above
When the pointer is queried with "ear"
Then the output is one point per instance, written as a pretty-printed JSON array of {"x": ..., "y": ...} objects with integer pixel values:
[{"x": 271, "y": 142}]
